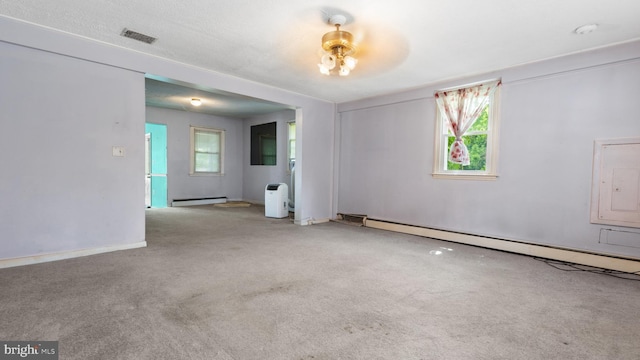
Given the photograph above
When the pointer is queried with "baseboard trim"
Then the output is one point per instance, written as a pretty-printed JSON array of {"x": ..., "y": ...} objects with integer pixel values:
[
  {"x": 37, "y": 259},
  {"x": 602, "y": 261}
]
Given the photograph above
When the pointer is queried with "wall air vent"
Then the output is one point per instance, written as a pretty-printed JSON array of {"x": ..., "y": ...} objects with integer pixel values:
[{"x": 138, "y": 36}]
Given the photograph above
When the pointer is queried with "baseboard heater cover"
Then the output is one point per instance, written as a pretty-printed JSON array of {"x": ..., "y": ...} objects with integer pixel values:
[
  {"x": 199, "y": 201},
  {"x": 602, "y": 261}
]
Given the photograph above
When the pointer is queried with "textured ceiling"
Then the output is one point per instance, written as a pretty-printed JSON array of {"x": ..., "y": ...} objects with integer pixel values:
[{"x": 403, "y": 43}]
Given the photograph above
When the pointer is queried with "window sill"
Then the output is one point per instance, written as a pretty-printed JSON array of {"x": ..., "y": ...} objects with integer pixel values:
[{"x": 459, "y": 176}]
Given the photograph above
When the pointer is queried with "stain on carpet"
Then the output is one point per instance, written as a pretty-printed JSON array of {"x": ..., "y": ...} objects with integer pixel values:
[{"x": 272, "y": 290}]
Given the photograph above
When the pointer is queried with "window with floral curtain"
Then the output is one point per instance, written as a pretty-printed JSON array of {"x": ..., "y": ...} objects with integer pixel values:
[{"x": 467, "y": 114}]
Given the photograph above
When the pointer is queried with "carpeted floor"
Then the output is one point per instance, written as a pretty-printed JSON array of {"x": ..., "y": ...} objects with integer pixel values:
[{"x": 228, "y": 283}]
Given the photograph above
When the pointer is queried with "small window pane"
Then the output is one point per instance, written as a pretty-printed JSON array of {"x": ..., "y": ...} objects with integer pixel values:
[
  {"x": 292, "y": 131},
  {"x": 292, "y": 149},
  {"x": 207, "y": 141},
  {"x": 477, "y": 146},
  {"x": 207, "y": 162},
  {"x": 482, "y": 122}
]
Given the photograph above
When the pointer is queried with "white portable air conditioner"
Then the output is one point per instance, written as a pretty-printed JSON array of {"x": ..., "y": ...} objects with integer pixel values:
[{"x": 276, "y": 200}]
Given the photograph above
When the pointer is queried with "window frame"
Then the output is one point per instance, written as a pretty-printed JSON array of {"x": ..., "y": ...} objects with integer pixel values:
[
  {"x": 440, "y": 153},
  {"x": 289, "y": 143},
  {"x": 192, "y": 152}
]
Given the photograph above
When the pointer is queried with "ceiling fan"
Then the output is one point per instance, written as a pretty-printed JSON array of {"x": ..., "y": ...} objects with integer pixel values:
[
  {"x": 373, "y": 47},
  {"x": 339, "y": 49}
]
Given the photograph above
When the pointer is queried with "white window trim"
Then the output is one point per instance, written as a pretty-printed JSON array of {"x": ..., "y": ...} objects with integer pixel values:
[
  {"x": 440, "y": 153},
  {"x": 289, "y": 146},
  {"x": 192, "y": 131}
]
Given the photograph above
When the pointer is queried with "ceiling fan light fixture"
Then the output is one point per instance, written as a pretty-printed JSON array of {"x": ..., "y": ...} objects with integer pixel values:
[
  {"x": 196, "y": 102},
  {"x": 324, "y": 70},
  {"x": 328, "y": 61},
  {"x": 350, "y": 62},
  {"x": 339, "y": 48}
]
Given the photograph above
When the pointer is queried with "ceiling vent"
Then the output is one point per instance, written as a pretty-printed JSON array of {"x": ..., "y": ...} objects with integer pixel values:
[{"x": 137, "y": 36}]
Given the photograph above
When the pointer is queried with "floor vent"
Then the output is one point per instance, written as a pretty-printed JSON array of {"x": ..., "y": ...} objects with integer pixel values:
[{"x": 137, "y": 36}]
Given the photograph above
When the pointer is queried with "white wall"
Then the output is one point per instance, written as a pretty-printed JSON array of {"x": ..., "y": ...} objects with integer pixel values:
[
  {"x": 60, "y": 186},
  {"x": 551, "y": 113},
  {"x": 256, "y": 177},
  {"x": 180, "y": 185}
]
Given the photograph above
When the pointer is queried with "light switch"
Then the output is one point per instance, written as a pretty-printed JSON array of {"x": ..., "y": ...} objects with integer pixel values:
[{"x": 118, "y": 151}]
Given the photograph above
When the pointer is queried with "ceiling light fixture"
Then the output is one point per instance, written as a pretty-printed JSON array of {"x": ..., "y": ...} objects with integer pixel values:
[
  {"x": 339, "y": 49},
  {"x": 196, "y": 102}
]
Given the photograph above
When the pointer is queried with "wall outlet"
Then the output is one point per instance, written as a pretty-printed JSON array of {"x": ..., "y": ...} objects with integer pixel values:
[{"x": 118, "y": 151}]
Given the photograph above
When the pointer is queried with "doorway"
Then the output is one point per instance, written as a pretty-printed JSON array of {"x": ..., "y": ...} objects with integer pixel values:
[{"x": 155, "y": 165}]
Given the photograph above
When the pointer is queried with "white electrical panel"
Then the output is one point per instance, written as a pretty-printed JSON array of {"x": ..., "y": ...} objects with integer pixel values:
[{"x": 615, "y": 198}]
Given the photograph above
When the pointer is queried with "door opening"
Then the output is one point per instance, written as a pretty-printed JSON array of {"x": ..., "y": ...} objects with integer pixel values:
[
  {"x": 156, "y": 143},
  {"x": 147, "y": 170}
]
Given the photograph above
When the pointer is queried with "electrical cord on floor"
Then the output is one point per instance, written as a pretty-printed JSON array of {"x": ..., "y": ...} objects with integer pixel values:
[{"x": 566, "y": 266}]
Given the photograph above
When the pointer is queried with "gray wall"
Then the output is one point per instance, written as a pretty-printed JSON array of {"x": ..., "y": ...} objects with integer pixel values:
[
  {"x": 60, "y": 186},
  {"x": 180, "y": 185},
  {"x": 551, "y": 113},
  {"x": 256, "y": 177}
]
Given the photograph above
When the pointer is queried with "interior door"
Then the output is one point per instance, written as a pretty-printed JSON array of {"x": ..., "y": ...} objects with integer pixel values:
[{"x": 147, "y": 170}]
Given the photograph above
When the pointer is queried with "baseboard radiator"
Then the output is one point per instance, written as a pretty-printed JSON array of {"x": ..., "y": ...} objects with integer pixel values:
[
  {"x": 603, "y": 261},
  {"x": 199, "y": 201}
]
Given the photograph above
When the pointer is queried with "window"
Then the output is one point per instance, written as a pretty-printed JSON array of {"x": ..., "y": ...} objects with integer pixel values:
[
  {"x": 291, "y": 145},
  {"x": 207, "y": 148},
  {"x": 478, "y": 132}
]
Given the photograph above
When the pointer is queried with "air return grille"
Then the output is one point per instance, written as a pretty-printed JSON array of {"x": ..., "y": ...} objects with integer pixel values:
[{"x": 138, "y": 36}]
